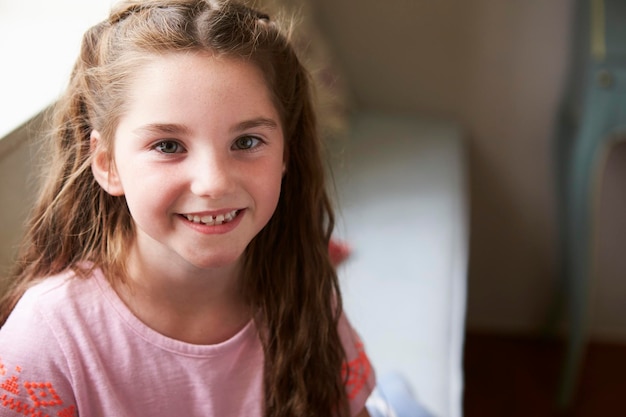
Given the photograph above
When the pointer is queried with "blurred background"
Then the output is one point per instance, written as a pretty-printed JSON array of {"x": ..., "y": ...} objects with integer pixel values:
[
  {"x": 498, "y": 69},
  {"x": 501, "y": 69}
]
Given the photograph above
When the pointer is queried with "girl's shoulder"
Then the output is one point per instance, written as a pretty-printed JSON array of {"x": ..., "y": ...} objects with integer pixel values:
[
  {"x": 59, "y": 290},
  {"x": 56, "y": 300},
  {"x": 33, "y": 364},
  {"x": 47, "y": 315}
]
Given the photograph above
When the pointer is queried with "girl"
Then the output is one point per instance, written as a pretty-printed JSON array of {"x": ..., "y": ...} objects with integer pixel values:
[{"x": 176, "y": 262}]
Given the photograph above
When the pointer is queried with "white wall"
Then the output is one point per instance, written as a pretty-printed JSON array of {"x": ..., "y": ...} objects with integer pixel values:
[{"x": 39, "y": 42}]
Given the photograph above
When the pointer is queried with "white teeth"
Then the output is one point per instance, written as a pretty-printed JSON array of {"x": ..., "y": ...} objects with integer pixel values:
[{"x": 210, "y": 220}]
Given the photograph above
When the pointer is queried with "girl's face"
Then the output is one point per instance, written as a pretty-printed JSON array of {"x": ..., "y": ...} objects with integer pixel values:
[{"x": 198, "y": 154}]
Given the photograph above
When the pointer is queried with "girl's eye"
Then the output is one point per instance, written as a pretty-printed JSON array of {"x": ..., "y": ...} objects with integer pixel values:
[
  {"x": 246, "y": 143},
  {"x": 168, "y": 146}
]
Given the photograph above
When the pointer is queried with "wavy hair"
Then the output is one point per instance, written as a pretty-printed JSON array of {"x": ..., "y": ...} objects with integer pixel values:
[{"x": 287, "y": 276}]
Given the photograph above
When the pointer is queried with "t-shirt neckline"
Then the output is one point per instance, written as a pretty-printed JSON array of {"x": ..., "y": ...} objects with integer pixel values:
[{"x": 161, "y": 341}]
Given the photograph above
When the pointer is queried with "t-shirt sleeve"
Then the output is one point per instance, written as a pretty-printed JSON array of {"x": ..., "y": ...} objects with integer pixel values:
[
  {"x": 33, "y": 369},
  {"x": 357, "y": 371}
]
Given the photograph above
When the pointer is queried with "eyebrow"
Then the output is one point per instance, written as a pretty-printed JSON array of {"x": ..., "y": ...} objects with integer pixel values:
[
  {"x": 179, "y": 129},
  {"x": 257, "y": 122},
  {"x": 163, "y": 128}
]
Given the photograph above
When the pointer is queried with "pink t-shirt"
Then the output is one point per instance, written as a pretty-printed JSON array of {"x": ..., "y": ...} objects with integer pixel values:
[{"x": 71, "y": 347}]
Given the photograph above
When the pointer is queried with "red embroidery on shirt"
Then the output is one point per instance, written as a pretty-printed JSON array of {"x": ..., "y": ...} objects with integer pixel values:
[
  {"x": 20, "y": 407},
  {"x": 11, "y": 384},
  {"x": 42, "y": 396},
  {"x": 356, "y": 372},
  {"x": 68, "y": 412}
]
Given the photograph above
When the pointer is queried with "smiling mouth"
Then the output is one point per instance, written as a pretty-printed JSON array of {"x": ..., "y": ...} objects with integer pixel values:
[{"x": 212, "y": 220}]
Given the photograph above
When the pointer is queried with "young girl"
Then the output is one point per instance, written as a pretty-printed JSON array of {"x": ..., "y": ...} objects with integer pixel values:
[{"x": 176, "y": 262}]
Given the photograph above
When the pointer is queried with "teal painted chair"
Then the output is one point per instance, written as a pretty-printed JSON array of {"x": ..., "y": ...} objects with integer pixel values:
[{"x": 593, "y": 120}]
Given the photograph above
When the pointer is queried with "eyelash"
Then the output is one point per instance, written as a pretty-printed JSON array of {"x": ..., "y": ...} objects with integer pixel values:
[
  {"x": 253, "y": 143},
  {"x": 160, "y": 145},
  {"x": 256, "y": 142}
]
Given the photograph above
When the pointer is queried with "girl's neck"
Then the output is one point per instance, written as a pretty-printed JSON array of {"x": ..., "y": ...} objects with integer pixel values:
[{"x": 187, "y": 304}]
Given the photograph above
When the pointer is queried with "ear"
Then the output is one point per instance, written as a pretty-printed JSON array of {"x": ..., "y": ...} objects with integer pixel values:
[{"x": 103, "y": 170}]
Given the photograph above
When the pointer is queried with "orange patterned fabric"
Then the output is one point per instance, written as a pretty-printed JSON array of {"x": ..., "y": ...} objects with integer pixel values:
[
  {"x": 357, "y": 372},
  {"x": 43, "y": 400}
]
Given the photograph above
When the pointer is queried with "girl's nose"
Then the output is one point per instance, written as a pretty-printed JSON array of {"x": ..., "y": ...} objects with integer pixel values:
[{"x": 212, "y": 177}]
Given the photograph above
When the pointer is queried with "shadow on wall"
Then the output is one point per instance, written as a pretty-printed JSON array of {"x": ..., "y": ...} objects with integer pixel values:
[
  {"x": 610, "y": 288},
  {"x": 493, "y": 210},
  {"x": 19, "y": 166}
]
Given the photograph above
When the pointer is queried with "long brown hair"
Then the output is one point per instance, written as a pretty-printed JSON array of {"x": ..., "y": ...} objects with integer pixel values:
[{"x": 288, "y": 277}]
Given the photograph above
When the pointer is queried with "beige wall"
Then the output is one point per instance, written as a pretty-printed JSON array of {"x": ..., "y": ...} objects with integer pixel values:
[
  {"x": 17, "y": 183},
  {"x": 609, "y": 289},
  {"x": 516, "y": 67},
  {"x": 498, "y": 67}
]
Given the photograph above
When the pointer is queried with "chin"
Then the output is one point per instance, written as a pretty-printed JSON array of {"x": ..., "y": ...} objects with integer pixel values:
[{"x": 218, "y": 261}]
